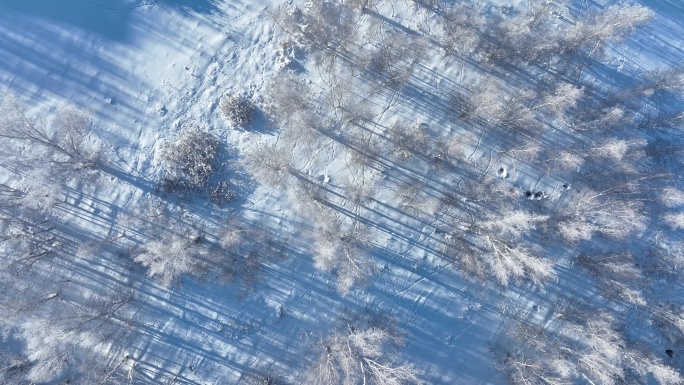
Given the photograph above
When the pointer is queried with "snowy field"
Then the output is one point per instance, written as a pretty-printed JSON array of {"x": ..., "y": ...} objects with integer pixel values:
[{"x": 344, "y": 192}]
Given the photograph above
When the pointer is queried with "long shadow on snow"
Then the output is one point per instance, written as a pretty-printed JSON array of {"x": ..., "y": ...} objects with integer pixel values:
[
  {"x": 445, "y": 316},
  {"x": 109, "y": 20},
  {"x": 191, "y": 315},
  {"x": 204, "y": 7}
]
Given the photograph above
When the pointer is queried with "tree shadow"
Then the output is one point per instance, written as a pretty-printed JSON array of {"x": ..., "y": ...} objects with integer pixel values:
[
  {"x": 204, "y": 7},
  {"x": 109, "y": 21}
]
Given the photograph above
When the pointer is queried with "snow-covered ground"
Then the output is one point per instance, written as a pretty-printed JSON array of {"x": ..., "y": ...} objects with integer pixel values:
[{"x": 146, "y": 69}]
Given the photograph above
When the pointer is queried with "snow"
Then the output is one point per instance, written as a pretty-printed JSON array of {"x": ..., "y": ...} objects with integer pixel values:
[{"x": 146, "y": 69}]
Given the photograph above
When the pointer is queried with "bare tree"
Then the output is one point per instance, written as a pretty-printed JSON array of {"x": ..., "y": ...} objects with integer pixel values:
[
  {"x": 619, "y": 151},
  {"x": 665, "y": 257},
  {"x": 672, "y": 197},
  {"x": 357, "y": 356},
  {"x": 491, "y": 101},
  {"x": 675, "y": 220},
  {"x": 497, "y": 244},
  {"x": 668, "y": 317},
  {"x": 408, "y": 140},
  {"x": 12, "y": 366},
  {"x": 270, "y": 164},
  {"x": 616, "y": 274},
  {"x": 25, "y": 243},
  {"x": 601, "y": 119},
  {"x": 67, "y": 331},
  {"x": 357, "y": 192},
  {"x": 413, "y": 199},
  {"x": 527, "y": 37},
  {"x": 39, "y": 191},
  {"x": 567, "y": 160},
  {"x": 292, "y": 108},
  {"x": 173, "y": 255},
  {"x": 483, "y": 101},
  {"x": 50, "y": 153},
  {"x": 590, "y": 35},
  {"x": 27, "y": 204},
  {"x": 669, "y": 79},
  {"x": 461, "y": 29},
  {"x": 451, "y": 150},
  {"x": 510, "y": 261},
  {"x": 363, "y": 5},
  {"x": 261, "y": 377},
  {"x": 289, "y": 94},
  {"x": 64, "y": 139},
  {"x": 342, "y": 250},
  {"x": 587, "y": 212},
  {"x": 567, "y": 349},
  {"x": 558, "y": 103},
  {"x": 325, "y": 25},
  {"x": 353, "y": 111},
  {"x": 392, "y": 57}
]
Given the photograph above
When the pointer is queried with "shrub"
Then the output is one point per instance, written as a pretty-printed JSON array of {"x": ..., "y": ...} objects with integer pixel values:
[
  {"x": 188, "y": 162},
  {"x": 237, "y": 110},
  {"x": 222, "y": 193}
]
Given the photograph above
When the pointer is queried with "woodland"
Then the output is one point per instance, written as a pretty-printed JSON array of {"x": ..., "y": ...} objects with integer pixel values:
[{"x": 421, "y": 192}]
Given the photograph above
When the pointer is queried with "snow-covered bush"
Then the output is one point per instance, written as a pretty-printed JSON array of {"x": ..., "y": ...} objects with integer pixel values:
[
  {"x": 189, "y": 161},
  {"x": 239, "y": 111},
  {"x": 222, "y": 193}
]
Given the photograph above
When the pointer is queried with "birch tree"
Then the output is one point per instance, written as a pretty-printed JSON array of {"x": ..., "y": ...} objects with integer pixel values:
[
  {"x": 614, "y": 23},
  {"x": 355, "y": 356},
  {"x": 587, "y": 212},
  {"x": 172, "y": 255},
  {"x": 497, "y": 245},
  {"x": 570, "y": 349},
  {"x": 617, "y": 275},
  {"x": 342, "y": 249},
  {"x": 461, "y": 29}
]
